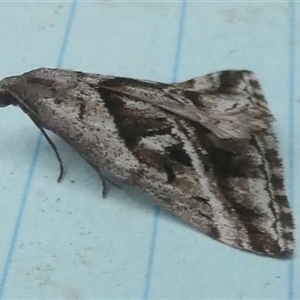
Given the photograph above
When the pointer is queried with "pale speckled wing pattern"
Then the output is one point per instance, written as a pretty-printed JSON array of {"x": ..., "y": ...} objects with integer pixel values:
[{"x": 203, "y": 149}]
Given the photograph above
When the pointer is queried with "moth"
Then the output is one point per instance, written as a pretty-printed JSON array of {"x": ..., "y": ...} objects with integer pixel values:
[{"x": 203, "y": 149}]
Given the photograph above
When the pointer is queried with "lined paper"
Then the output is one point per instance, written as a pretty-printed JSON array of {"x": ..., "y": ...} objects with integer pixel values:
[{"x": 63, "y": 241}]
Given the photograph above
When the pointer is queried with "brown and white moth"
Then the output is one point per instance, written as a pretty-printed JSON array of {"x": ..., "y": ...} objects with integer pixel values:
[{"x": 203, "y": 149}]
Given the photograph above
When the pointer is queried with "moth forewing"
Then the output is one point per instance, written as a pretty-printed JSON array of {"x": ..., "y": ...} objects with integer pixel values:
[{"x": 203, "y": 149}]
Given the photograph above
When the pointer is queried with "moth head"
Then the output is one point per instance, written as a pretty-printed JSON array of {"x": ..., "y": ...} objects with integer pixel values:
[
  {"x": 6, "y": 97},
  {"x": 26, "y": 92}
]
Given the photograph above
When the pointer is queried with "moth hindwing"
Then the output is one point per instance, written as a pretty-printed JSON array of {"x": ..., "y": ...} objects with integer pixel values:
[{"x": 203, "y": 149}]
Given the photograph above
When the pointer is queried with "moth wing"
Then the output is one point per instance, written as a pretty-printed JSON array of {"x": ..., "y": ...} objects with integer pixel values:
[
  {"x": 233, "y": 101},
  {"x": 228, "y": 103},
  {"x": 125, "y": 127},
  {"x": 236, "y": 197}
]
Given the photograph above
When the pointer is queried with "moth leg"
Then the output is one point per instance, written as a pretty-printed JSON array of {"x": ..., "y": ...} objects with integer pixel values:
[
  {"x": 52, "y": 145},
  {"x": 104, "y": 185},
  {"x": 61, "y": 165},
  {"x": 104, "y": 181}
]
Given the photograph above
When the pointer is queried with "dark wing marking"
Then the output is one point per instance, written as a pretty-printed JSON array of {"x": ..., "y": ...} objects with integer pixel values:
[{"x": 232, "y": 112}]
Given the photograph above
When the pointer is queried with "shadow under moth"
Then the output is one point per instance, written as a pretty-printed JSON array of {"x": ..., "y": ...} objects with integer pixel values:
[{"x": 203, "y": 149}]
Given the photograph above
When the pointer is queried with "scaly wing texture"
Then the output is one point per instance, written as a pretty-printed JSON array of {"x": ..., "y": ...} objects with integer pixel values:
[{"x": 203, "y": 149}]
